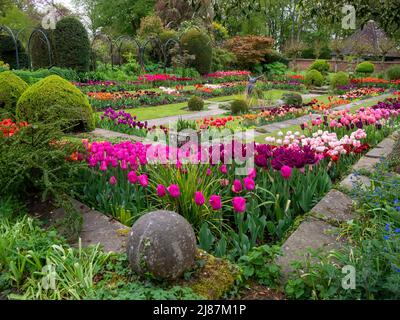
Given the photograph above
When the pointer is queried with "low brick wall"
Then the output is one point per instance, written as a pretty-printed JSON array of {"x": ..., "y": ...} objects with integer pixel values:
[{"x": 303, "y": 64}]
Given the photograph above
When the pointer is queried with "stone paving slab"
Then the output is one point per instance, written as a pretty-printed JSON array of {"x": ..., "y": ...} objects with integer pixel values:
[
  {"x": 311, "y": 234},
  {"x": 383, "y": 149},
  {"x": 335, "y": 206},
  {"x": 353, "y": 181},
  {"x": 98, "y": 228},
  {"x": 108, "y": 134},
  {"x": 366, "y": 163}
]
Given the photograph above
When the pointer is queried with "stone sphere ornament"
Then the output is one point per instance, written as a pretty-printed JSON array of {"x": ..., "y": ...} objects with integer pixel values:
[{"x": 162, "y": 243}]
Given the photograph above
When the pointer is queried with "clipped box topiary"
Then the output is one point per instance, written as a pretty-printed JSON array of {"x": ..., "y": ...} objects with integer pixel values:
[
  {"x": 394, "y": 73},
  {"x": 195, "y": 104},
  {"x": 320, "y": 65},
  {"x": 239, "y": 106},
  {"x": 365, "y": 68},
  {"x": 11, "y": 88},
  {"x": 55, "y": 99},
  {"x": 314, "y": 78},
  {"x": 339, "y": 79},
  {"x": 292, "y": 99},
  {"x": 198, "y": 43}
]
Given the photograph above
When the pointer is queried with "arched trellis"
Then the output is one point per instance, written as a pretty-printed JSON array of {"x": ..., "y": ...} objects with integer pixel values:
[
  {"x": 141, "y": 46},
  {"x": 42, "y": 35},
  {"x": 105, "y": 38},
  {"x": 165, "y": 50},
  {"x": 14, "y": 39}
]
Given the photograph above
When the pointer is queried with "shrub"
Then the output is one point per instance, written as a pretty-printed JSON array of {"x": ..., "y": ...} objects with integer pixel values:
[
  {"x": 198, "y": 44},
  {"x": 150, "y": 25},
  {"x": 195, "y": 104},
  {"x": 275, "y": 68},
  {"x": 274, "y": 56},
  {"x": 222, "y": 59},
  {"x": 4, "y": 66},
  {"x": 7, "y": 52},
  {"x": 314, "y": 78},
  {"x": 339, "y": 79},
  {"x": 54, "y": 98},
  {"x": 239, "y": 106},
  {"x": 250, "y": 50},
  {"x": 72, "y": 46},
  {"x": 394, "y": 73},
  {"x": 11, "y": 88},
  {"x": 292, "y": 99},
  {"x": 320, "y": 65},
  {"x": 365, "y": 67}
]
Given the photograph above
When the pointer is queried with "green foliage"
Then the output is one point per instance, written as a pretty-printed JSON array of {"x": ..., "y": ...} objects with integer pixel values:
[
  {"x": 4, "y": 66},
  {"x": 195, "y": 104},
  {"x": 150, "y": 26},
  {"x": 32, "y": 77},
  {"x": 7, "y": 52},
  {"x": 72, "y": 46},
  {"x": 365, "y": 67},
  {"x": 239, "y": 106},
  {"x": 292, "y": 99},
  {"x": 11, "y": 88},
  {"x": 373, "y": 249},
  {"x": 55, "y": 99},
  {"x": 40, "y": 51},
  {"x": 339, "y": 79},
  {"x": 320, "y": 65},
  {"x": 314, "y": 78},
  {"x": 222, "y": 59},
  {"x": 274, "y": 56},
  {"x": 259, "y": 265},
  {"x": 394, "y": 73},
  {"x": 197, "y": 43},
  {"x": 219, "y": 31},
  {"x": 275, "y": 69}
]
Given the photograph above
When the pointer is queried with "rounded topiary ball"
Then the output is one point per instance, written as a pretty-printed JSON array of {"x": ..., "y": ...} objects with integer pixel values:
[
  {"x": 55, "y": 99},
  {"x": 320, "y": 65},
  {"x": 314, "y": 78},
  {"x": 195, "y": 104},
  {"x": 11, "y": 88},
  {"x": 239, "y": 106},
  {"x": 339, "y": 79},
  {"x": 198, "y": 44},
  {"x": 162, "y": 243},
  {"x": 292, "y": 99},
  {"x": 394, "y": 73},
  {"x": 365, "y": 67}
]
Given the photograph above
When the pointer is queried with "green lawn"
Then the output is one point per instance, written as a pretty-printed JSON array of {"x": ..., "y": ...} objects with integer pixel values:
[{"x": 162, "y": 111}]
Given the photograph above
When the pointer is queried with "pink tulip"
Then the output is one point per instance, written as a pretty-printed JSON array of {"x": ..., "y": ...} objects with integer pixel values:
[
  {"x": 223, "y": 169},
  {"x": 249, "y": 183},
  {"x": 252, "y": 173},
  {"x": 113, "y": 181},
  {"x": 286, "y": 172},
  {"x": 208, "y": 172},
  {"x": 199, "y": 198},
  {"x": 174, "y": 191},
  {"x": 143, "y": 180},
  {"x": 103, "y": 166},
  {"x": 239, "y": 204},
  {"x": 237, "y": 186},
  {"x": 215, "y": 202},
  {"x": 161, "y": 190},
  {"x": 132, "y": 177}
]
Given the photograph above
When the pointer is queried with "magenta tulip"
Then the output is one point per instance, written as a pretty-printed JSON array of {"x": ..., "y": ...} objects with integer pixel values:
[
  {"x": 161, "y": 190},
  {"x": 132, "y": 177},
  {"x": 239, "y": 204},
  {"x": 249, "y": 183},
  {"x": 237, "y": 186},
  {"x": 174, "y": 191},
  {"x": 286, "y": 172},
  {"x": 215, "y": 202},
  {"x": 199, "y": 198},
  {"x": 143, "y": 180},
  {"x": 113, "y": 181}
]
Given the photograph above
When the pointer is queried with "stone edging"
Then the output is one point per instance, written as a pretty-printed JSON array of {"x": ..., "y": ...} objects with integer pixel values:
[{"x": 319, "y": 230}]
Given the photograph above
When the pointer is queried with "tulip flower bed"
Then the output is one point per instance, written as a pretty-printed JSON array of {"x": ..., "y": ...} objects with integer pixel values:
[
  {"x": 333, "y": 102},
  {"x": 124, "y": 122},
  {"x": 378, "y": 121},
  {"x": 362, "y": 93},
  {"x": 230, "y": 213}
]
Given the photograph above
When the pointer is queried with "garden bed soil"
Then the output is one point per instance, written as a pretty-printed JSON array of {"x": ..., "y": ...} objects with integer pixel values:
[{"x": 256, "y": 291}]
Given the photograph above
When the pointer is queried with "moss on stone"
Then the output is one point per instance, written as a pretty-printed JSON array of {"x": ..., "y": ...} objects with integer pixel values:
[{"x": 214, "y": 278}]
